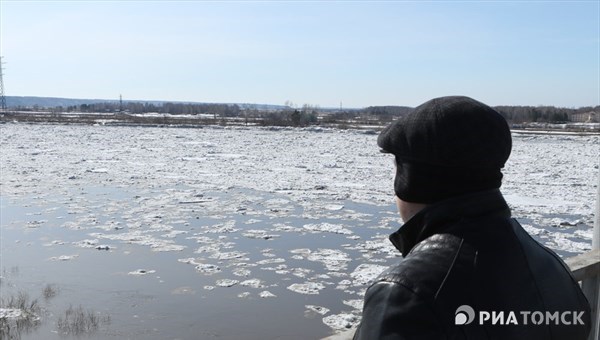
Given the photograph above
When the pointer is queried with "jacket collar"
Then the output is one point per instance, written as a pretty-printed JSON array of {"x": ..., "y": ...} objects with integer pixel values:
[{"x": 432, "y": 219}]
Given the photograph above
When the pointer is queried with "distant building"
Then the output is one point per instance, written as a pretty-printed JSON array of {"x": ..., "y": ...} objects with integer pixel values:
[{"x": 587, "y": 117}]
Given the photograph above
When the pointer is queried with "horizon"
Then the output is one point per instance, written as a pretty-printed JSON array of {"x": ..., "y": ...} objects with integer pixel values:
[
  {"x": 327, "y": 54},
  {"x": 266, "y": 104}
]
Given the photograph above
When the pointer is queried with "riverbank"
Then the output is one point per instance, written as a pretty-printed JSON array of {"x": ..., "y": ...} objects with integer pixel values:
[{"x": 203, "y": 120}]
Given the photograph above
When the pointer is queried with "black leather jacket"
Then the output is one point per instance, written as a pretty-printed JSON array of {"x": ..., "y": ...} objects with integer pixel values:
[{"x": 468, "y": 251}]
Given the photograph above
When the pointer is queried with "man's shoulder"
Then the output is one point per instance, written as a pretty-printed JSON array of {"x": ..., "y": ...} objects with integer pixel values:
[{"x": 424, "y": 269}]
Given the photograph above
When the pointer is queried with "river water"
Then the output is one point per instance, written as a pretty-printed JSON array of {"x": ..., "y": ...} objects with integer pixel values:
[{"x": 232, "y": 233}]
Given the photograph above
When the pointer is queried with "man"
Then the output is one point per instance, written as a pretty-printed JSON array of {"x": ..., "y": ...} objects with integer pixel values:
[{"x": 469, "y": 271}]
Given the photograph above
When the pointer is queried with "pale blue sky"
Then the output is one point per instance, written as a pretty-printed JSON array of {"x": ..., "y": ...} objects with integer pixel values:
[{"x": 309, "y": 52}]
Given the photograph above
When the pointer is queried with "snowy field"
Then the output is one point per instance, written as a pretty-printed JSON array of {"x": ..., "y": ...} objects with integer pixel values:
[{"x": 234, "y": 233}]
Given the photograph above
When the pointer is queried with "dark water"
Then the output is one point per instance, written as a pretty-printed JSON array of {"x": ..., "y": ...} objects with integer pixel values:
[{"x": 172, "y": 303}]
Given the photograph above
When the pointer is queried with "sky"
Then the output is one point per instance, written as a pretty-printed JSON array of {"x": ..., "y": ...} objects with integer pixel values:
[{"x": 324, "y": 53}]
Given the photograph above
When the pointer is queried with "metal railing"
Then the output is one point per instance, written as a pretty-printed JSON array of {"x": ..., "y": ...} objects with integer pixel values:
[{"x": 586, "y": 269}]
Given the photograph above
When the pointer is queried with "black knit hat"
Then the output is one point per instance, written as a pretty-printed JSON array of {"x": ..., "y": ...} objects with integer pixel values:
[{"x": 446, "y": 147}]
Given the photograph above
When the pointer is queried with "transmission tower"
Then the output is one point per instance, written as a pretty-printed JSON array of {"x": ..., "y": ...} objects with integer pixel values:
[{"x": 2, "y": 97}]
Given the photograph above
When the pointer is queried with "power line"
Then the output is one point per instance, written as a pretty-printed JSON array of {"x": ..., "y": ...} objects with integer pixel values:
[{"x": 2, "y": 97}]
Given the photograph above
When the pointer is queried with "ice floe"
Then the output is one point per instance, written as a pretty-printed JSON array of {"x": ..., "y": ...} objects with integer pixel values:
[
  {"x": 341, "y": 321},
  {"x": 333, "y": 259},
  {"x": 327, "y": 227},
  {"x": 259, "y": 234},
  {"x": 87, "y": 243},
  {"x": 365, "y": 273},
  {"x": 243, "y": 272},
  {"x": 266, "y": 294},
  {"x": 141, "y": 238},
  {"x": 63, "y": 258},
  {"x": 252, "y": 283},
  {"x": 205, "y": 268},
  {"x": 354, "y": 303},
  {"x": 226, "y": 282},
  {"x": 310, "y": 288},
  {"x": 271, "y": 261}
]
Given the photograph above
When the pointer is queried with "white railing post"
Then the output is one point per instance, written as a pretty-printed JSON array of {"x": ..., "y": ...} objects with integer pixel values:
[{"x": 591, "y": 286}]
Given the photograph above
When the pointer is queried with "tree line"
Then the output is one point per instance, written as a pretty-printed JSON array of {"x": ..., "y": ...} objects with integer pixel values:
[
  {"x": 512, "y": 114},
  {"x": 544, "y": 114},
  {"x": 310, "y": 115},
  {"x": 220, "y": 110}
]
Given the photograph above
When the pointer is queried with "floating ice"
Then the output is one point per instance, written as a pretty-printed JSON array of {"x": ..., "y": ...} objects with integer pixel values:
[
  {"x": 344, "y": 284},
  {"x": 586, "y": 234},
  {"x": 63, "y": 258},
  {"x": 86, "y": 243},
  {"x": 241, "y": 272},
  {"x": 229, "y": 256},
  {"x": 270, "y": 261},
  {"x": 244, "y": 294},
  {"x": 333, "y": 259},
  {"x": 310, "y": 288},
  {"x": 301, "y": 251},
  {"x": 327, "y": 227},
  {"x": 259, "y": 234},
  {"x": 252, "y": 283},
  {"x": 222, "y": 228},
  {"x": 562, "y": 241},
  {"x": 301, "y": 272},
  {"x": 227, "y": 283},
  {"x": 138, "y": 237},
  {"x": 205, "y": 268},
  {"x": 266, "y": 294},
  {"x": 280, "y": 268},
  {"x": 379, "y": 245},
  {"x": 341, "y": 321},
  {"x": 558, "y": 222},
  {"x": 201, "y": 239},
  {"x": 167, "y": 247},
  {"x": 54, "y": 243},
  {"x": 355, "y": 303},
  {"x": 366, "y": 273},
  {"x": 284, "y": 227},
  {"x": 267, "y": 254}
]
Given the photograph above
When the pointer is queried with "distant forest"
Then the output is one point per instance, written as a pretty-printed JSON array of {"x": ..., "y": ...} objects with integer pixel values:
[
  {"x": 309, "y": 115},
  {"x": 513, "y": 114}
]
